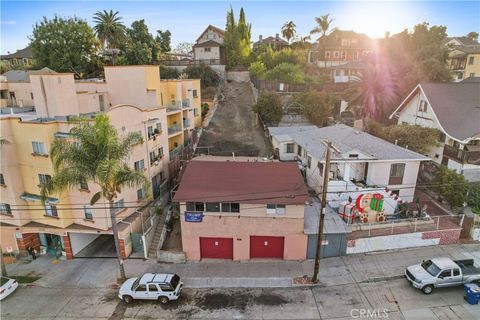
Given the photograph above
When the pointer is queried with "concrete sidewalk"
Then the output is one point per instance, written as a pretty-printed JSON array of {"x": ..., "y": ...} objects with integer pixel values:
[{"x": 358, "y": 268}]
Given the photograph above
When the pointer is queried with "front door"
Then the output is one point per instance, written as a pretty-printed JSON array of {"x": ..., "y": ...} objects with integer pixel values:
[{"x": 53, "y": 243}]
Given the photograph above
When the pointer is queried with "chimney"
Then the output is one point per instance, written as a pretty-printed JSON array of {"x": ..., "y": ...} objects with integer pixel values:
[
  {"x": 277, "y": 35},
  {"x": 260, "y": 38}
]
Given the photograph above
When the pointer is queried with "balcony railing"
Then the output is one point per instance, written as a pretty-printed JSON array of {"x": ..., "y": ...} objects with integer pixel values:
[
  {"x": 186, "y": 103},
  {"x": 174, "y": 106},
  {"x": 192, "y": 62},
  {"x": 186, "y": 123},
  {"x": 174, "y": 129},
  {"x": 462, "y": 156},
  {"x": 174, "y": 152}
]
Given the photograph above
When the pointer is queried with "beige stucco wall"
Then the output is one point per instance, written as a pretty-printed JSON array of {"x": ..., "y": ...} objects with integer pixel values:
[
  {"x": 201, "y": 54},
  {"x": 22, "y": 91}
]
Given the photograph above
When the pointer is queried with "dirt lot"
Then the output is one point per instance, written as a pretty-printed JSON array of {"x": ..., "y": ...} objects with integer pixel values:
[{"x": 233, "y": 127}]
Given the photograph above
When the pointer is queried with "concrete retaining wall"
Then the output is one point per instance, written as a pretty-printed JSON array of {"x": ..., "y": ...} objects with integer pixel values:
[
  {"x": 238, "y": 76},
  {"x": 219, "y": 69},
  {"x": 170, "y": 257}
]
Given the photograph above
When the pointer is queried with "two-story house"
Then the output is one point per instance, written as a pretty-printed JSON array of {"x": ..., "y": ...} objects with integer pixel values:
[
  {"x": 360, "y": 161},
  {"x": 242, "y": 210},
  {"x": 454, "y": 109},
  {"x": 20, "y": 58},
  {"x": 209, "y": 47},
  {"x": 340, "y": 47},
  {"x": 463, "y": 57},
  {"x": 276, "y": 42}
]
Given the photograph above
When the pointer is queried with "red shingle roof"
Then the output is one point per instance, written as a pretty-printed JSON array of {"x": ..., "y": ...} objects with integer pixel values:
[{"x": 243, "y": 182}]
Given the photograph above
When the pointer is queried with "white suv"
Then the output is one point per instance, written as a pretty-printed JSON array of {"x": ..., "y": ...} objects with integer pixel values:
[{"x": 152, "y": 286}]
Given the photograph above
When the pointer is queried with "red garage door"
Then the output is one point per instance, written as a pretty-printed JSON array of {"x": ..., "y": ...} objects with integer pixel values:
[
  {"x": 216, "y": 248},
  {"x": 266, "y": 247}
]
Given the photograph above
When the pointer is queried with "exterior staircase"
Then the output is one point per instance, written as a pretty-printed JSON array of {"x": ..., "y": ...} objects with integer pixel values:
[{"x": 152, "y": 252}]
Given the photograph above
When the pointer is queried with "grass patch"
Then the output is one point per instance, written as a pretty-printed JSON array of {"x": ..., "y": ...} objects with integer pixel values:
[{"x": 25, "y": 279}]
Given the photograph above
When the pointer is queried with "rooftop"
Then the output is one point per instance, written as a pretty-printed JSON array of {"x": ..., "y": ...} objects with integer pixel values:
[
  {"x": 19, "y": 54},
  {"x": 345, "y": 139},
  {"x": 243, "y": 182},
  {"x": 24, "y": 75},
  {"x": 333, "y": 223}
]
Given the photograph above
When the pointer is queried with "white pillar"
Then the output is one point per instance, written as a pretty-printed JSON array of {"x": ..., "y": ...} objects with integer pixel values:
[{"x": 346, "y": 172}]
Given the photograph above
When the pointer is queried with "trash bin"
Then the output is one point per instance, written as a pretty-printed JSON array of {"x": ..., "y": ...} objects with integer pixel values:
[{"x": 472, "y": 292}]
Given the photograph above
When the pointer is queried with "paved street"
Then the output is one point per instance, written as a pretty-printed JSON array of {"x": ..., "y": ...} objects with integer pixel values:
[{"x": 79, "y": 289}]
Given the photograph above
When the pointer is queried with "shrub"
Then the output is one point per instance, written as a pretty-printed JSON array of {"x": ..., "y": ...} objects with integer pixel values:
[
  {"x": 205, "y": 73},
  {"x": 168, "y": 73},
  {"x": 257, "y": 69},
  {"x": 287, "y": 72},
  {"x": 269, "y": 107}
]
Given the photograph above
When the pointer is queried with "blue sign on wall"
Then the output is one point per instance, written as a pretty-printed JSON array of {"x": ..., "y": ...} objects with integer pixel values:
[{"x": 193, "y": 216}]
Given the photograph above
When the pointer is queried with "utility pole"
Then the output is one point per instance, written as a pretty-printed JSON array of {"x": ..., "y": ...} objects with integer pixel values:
[
  {"x": 4, "y": 268},
  {"x": 323, "y": 204}
]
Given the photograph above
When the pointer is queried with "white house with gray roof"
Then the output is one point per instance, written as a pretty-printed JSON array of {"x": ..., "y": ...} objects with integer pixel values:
[
  {"x": 454, "y": 109},
  {"x": 363, "y": 160}
]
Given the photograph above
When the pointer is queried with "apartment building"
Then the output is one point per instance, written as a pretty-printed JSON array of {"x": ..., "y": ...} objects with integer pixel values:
[
  {"x": 136, "y": 100},
  {"x": 463, "y": 57},
  {"x": 241, "y": 210}
]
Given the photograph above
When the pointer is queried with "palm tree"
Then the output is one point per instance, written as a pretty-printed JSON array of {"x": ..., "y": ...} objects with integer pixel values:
[
  {"x": 323, "y": 28},
  {"x": 108, "y": 28},
  {"x": 98, "y": 154},
  {"x": 374, "y": 90},
  {"x": 288, "y": 30}
]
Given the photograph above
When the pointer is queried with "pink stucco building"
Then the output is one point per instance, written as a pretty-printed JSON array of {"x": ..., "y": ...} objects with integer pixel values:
[{"x": 242, "y": 210}]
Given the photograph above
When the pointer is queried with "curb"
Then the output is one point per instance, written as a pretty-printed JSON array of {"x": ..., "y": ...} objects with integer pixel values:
[{"x": 240, "y": 282}]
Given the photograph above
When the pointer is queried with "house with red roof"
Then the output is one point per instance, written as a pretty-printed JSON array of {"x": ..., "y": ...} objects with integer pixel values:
[{"x": 242, "y": 210}]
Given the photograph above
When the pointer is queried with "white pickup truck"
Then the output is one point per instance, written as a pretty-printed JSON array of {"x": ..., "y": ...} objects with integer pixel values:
[
  {"x": 442, "y": 272},
  {"x": 151, "y": 286}
]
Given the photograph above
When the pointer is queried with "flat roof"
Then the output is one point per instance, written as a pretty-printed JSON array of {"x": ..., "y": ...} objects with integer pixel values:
[{"x": 243, "y": 182}]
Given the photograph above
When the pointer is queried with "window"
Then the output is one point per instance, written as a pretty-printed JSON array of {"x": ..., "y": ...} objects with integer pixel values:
[
  {"x": 353, "y": 155},
  {"x": 44, "y": 179},
  {"x": 445, "y": 274},
  {"x": 472, "y": 74},
  {"x": 150, "y": 132},
  {"x": 158, "y": 128},
  {"x": 336, "y": 54},
  {"x": 309, "y": 161},
  {"x": 320, "y": 168},
  {"x": 355, "y": 55},
  {"x": 84, "y": 184},
  {"x": 51, "y": 210},
  {"x": 39, "y": 148},
  {"x": 195, "y": 206},
  {"x": 2, "y": 180},
  {"x": 152, "y": 287},
  {"x": 31, "y": 95},
  {"x": 5, "y": 209},
  {"x": 299, "y": 150},
  {"x": 276, "y": 208},
  {"x": 396, "y": 173},
  {"x": 139, "y": 165},
  {"x": 213, "y": 206},
  {"x": 338, "y": 73},
  {"x": 230, "y": 207},
  {"x": 87, "y": 210},
  {"x": 290, "y": 147},
  {"x": 101, "y": 102},
  {"x": 153, "y": 157},
  {"x": 141, "y": 288},
  {"x": 456, "y": 272},
  {"x": 470, "y": 60},
  {"x": 160, "y": 152},
  {"x": 166, "y": 287},
  {"x": 423, "y": 106},
  {"x": 208, "y": 49},
  {"x": 195, "y": 93},
  {"x": 396, "y": 192},
  {"x": 141, "y": 193},
  {"x": 327, "y": 54},
  {"x": 344, "y": 55},
  {"x": 118, "y": 206},
  {"x": 195, "y": 112}
]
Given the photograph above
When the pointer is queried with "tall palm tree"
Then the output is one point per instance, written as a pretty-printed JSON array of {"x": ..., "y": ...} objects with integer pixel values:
[
  {"x": 99, "y": 155},
  {"x": 109, "y": 28},
  {"x": 323, "y": 28},
  {"x": 374, "y": 91},
  {"x": 288, "y": 30}
]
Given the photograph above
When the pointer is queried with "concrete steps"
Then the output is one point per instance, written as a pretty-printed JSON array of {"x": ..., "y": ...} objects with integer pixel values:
[{"x": 152, "y": 252}]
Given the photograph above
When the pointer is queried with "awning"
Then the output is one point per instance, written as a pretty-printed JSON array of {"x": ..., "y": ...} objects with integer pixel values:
[{"x": 35, "y": 197}]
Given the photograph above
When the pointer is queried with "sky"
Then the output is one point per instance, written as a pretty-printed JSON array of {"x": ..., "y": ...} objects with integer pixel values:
[{"x": 187, "y": 19}]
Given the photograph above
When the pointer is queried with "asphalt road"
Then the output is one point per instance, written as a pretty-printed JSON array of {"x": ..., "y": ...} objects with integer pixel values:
[{"x": 394, "y": 299}]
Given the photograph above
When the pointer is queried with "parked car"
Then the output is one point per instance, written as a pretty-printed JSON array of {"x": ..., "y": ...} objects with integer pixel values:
[
  {"x": 7, "y": 286},
  {"x": 442, "y": 272},
  {"x": 152, "y": 286}
]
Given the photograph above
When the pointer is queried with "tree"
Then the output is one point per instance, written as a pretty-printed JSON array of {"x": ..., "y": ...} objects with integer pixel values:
[
  {"x": 473, "y": 36},
  {"x": 97, "y": 155},
  {"x": 168, "y": 73},
  {"x": 140, "y": 47},
  {"x": 109, "y": 28},
  {"x": 286, "y": 72},
  {"x": 288, "y": 30},
  {"x": 414, "y": 137},
  {"x": 184, "y": 48},
  {"x": 269, "y": 107},
  {"x": 163, "y": 39},
  {"x": 208, "y": 77},
  {"x": 323, "y": 28},
  {"x": 237, "y": 40},
  {"x": 374, "y": 91},
  {"x": 316, "y": 106},
  {"x": 257, "y": 69},
  {"x": 473, "y": 198},
  {"x": 65, "y": 45},
  {"x": 451, "y": 186}
]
